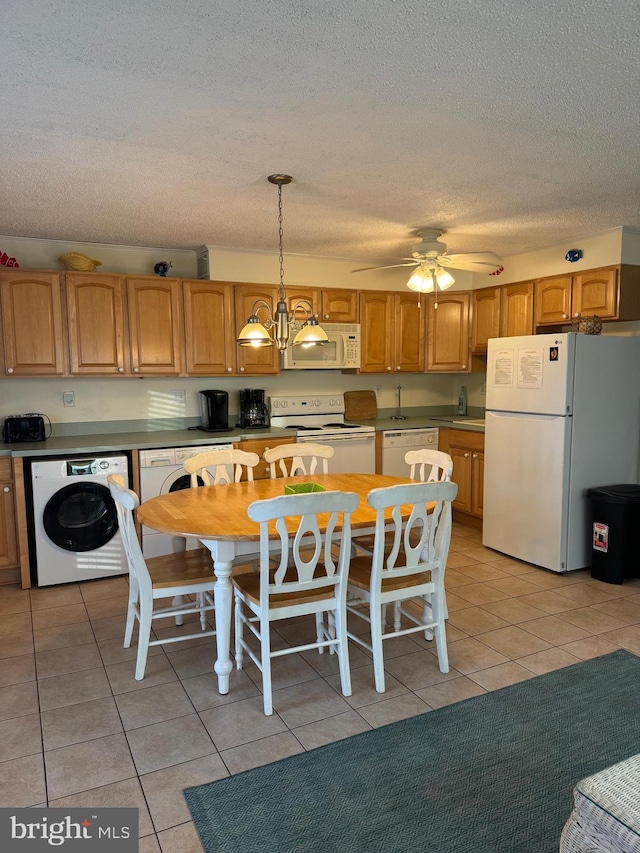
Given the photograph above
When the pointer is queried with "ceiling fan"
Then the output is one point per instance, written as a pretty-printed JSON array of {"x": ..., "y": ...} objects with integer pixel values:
[{"x": 430, "y": 257}]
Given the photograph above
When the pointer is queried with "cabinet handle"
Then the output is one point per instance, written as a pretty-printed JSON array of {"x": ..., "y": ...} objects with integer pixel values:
[
  {"x": 242, "y": 370},
  {"x": 466, "y": 455},
  {"x": 565, "y": 316},
  {"x": 9, "y": 369},
  {"x": 326, "y": 316},
  {"x": 464, "y": 366},
  {"x": 136, "y": 370},
  {"x": 121, "y": 370},
  {"x": 7, "y": 489},
  {"x": 577, "y": 314},
  {"x": 229, "y": 369},
  {"x": 398, "y": 367},
  {"x": 388, "y": 368},
  {"x": 475, "y": 456}
]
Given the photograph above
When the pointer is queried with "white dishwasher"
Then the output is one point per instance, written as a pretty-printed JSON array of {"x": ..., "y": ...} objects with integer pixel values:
[{"x": 396, "y": 442}]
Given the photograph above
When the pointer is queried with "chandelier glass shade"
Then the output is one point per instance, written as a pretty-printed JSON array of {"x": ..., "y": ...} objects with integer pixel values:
[
  {"x": 255, "y": 333},
  {"x": 429, "y": 277}
]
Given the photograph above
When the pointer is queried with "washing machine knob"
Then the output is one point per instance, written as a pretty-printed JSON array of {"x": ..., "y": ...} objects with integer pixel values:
[{"x": 104, "y": 464}]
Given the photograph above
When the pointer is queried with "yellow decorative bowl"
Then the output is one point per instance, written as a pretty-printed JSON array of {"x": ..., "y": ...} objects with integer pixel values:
[
  {"x": 76, "y": 261},
  {"x": 303, "y": 488}
]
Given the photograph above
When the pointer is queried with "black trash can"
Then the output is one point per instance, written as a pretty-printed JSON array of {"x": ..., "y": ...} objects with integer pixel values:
[{"x": 615, "y": 532}]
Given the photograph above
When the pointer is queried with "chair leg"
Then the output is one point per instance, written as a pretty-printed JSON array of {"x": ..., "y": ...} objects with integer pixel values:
[
  {"x": 377, "y": 626},
  {"x": 265, "y": 660},
  {"x": 343, "y": 650},
  {"x": 143, "y": 639},
  {"x": 131, "y": 611},
  {"x": 239, "y": 625},
  {"x": 440, "y": 632},
  {"x": 203, "y": 615},
  {"x": 178, "y": 601},
  {"x": 320, "y": 631},
  {"x": 396, "y": 616}
]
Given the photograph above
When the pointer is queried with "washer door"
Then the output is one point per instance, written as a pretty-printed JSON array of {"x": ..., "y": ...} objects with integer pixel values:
[
  {"x": 179, "y": 484},
  {"x": 81, "y": 517}
]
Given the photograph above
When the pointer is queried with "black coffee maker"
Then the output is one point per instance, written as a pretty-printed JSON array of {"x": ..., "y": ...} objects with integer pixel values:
[
  {"x": 253, "y": 410},
  {"x": 214, "y": 409}
]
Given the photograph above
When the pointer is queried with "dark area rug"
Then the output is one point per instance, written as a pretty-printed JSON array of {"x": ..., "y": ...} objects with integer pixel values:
[{"x": 488, "y": 775}]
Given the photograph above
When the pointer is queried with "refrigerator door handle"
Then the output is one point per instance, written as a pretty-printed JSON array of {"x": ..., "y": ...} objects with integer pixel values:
[{"x": 526, "y": 416}]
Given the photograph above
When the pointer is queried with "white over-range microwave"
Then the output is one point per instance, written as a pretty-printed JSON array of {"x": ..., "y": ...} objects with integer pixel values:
[{"x": 341, "y": 351}]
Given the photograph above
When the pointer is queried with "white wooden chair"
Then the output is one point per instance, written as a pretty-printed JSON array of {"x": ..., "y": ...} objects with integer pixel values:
[
  {"x": 305, "y": 580},
  {"x": 216, "y": 467},
  {"x": 181, "y": 574},
  {"x": 303, "y": 457},
  {"x": 411, "y": 568}
]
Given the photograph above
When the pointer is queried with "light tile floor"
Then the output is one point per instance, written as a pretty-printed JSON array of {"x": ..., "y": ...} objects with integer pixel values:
[{"x": 76, "y": 729}]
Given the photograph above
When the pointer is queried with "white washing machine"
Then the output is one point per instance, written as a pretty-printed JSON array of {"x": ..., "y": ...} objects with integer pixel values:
[
  {"x": 75, "y": 524},
  {"x": 162, "y": 471}
]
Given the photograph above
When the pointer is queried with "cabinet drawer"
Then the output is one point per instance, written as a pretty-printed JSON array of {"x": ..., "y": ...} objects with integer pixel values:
[
  {"x": 466, "y": 440},
  {"x": 259, "y": 445},
  {"x": 6, "y": 470}
]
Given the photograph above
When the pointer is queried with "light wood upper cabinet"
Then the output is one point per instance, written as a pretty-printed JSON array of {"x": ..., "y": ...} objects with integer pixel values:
[
  {"x": 32, "y": 326},
  {"x": 595, "y": 292},
  {"x": 259, "y": 361},
  {"x": 155, "y": 326},
  {"x": 376, "y": 320},
  {"x": 553, "y": 300},
  {"x": 448, "y": 333},
  {"x": 516, "y": 309},
  {"x": 392, "y": 332},
  {"x": 95, "y": 318},
  {"x": 8, "y": 538},
  {"x": 305, "y": 294},
  {"x": 408, "y": 332},
  {"x": 339, "y": 306},
  {"x": 208, "y": 318},
  {"x": 485, "y": 321}
]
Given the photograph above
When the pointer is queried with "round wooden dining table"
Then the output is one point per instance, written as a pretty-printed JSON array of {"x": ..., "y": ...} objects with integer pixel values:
[{"x": 217, "y": 516}]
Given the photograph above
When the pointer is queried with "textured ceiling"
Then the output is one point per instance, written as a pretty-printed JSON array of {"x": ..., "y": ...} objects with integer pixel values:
[{"x": 511, "y": 124}]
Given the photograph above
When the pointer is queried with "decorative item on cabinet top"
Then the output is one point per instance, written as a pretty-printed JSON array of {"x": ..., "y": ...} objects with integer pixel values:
[
  {"x": 162, "y": 268},
  {"x": 6, "y": 261},
  {"x": 81, "y": 263},
  {"x": 587, "y": 325}
]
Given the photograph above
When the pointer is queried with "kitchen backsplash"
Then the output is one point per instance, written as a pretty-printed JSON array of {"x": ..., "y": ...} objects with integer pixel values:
[{"x": 151, "y": 399}]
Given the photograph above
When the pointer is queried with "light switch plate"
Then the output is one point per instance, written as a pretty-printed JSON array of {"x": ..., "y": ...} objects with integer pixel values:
[
  {"x": 179, "y": 396},
  {"x": 68, "y": 398}
]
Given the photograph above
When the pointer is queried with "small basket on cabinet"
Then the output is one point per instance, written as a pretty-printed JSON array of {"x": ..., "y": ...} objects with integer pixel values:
[{"x": 591, "y": 325}]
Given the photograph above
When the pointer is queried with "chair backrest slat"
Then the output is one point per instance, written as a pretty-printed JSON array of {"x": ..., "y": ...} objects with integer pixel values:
[
  {"x": 303, "y": 458},
  {"x": 127, "y": 502},
  {"x": 306, "y": 561},
  {"x": 429, "y": 466},
  {"x": 218, "y": 467}
]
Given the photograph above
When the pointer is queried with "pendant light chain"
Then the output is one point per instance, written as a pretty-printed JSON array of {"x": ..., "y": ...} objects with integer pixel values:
[{"x": 281, "y": 293}]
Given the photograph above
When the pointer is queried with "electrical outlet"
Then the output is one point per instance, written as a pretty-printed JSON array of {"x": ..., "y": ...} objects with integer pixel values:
[
  {"x": 179, "y": 396},
  {"x": 378, "y": 390},
  {"x": 68, "y": 398}
]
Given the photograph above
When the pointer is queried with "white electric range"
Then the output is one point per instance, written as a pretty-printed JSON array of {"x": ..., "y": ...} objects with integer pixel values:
[{"x": 320, "y": 418}]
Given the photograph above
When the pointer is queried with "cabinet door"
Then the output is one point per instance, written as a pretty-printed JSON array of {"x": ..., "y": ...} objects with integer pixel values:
[
  {"x": 448, "y": 332},
  {"x": 95, "y": 315},
  {"x": 32, "y": 323},
  {"x": 376, "y": 318},
  {"x": 516, "y": 309},
  {"x": 259, "y": 445},
  {"x": 308, "y": 294},
  {"x": 552, "y": 300},
  {"x": 408, "y": 316},
  {"x": 485, "y": 321},
  {"x": 155, "y": 326},
  {"x": 209, "y": 341},
  {"x": 462, "y": 472},
  {"x": 258, "y": 361},
  {"x": 8, "y": 538},
  {"x": 340, "y": 306},
  {"x": 596, "y": 293},
  {"x": 477, "y": 483}
]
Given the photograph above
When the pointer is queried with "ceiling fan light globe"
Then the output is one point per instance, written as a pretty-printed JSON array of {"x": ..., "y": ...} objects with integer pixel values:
[
  {"x": 444, "y": 279},
  {"x": 421, "y": 281}
]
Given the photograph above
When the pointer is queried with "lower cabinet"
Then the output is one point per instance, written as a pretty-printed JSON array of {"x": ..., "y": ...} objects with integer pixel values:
[
  {"x": 466, "y": 448},
  {"x": 259, "y": 445},
  {"x": 9, "y": 555}
]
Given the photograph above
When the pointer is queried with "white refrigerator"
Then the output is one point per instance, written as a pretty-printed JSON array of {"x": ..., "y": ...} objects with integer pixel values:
[{"x": 562, "y": 416}]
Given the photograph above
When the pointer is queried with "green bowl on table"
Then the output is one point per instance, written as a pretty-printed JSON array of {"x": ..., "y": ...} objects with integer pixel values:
[{"x": 303, "y": 488}]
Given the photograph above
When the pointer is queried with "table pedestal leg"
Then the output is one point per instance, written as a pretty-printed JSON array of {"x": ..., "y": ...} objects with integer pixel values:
[{"x": 223, "y": 553}]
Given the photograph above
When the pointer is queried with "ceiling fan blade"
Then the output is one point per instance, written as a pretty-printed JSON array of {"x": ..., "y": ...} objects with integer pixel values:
[
  {"x": 472, "y": 261},
  {"x": 389, "y": 267}
]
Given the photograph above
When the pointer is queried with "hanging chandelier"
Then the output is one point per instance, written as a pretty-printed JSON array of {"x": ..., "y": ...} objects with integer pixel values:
[
  {"x": 429, "y": 277},
  {"x": 255, "y": 333}
]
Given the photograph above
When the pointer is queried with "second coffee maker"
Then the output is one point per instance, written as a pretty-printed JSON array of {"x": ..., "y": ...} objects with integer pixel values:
[{"x": 253, "y": 410}]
